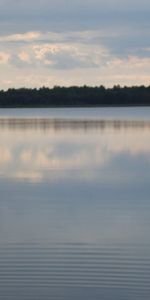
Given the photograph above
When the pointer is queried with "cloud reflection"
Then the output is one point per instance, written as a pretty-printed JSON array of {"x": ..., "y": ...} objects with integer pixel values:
[{"x": 44, "y": 150}]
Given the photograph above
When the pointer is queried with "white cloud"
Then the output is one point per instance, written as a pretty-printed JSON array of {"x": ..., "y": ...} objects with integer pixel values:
[
  {"x": 24, "y": 56},
  {"x": 67, "y": 56},
  {"x": 24, "y": 37},
  {"x": 4, "y": 58},
  {"x": 70, "y": 58}
]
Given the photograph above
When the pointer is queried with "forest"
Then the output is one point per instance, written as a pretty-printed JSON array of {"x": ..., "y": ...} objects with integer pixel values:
[{"x": 75, "y": 96}]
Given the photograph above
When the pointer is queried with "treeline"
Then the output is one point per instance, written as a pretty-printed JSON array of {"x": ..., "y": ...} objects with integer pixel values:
[{"x": 76, "y": 96}]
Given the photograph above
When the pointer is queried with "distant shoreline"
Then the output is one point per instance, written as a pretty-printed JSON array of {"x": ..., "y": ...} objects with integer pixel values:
[
  {"x": 79, "y": 106},
  {"x": 85, "y": 96}
]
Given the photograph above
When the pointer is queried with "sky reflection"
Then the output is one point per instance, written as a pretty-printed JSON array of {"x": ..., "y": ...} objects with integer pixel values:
[
  {"x": 74, "y": 208},
  {"x": 39, "y": 150}
]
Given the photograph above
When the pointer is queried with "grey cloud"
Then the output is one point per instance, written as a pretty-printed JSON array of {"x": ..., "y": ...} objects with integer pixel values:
[
  {"x": 121, "y": 27},
  {"x": 16, "y": 61},
  {"x": 63, "y": 14},
  {"x": 65, "y": 6},
  {"x": 61, "y": 58},
  {"x": 120, "y": 42},
  {"x": 125, "y": 24},
  {"x": 69, "y": 60}
]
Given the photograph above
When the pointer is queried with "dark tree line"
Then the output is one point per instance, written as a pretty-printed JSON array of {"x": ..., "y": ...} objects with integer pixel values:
[{"x": 76, "y": 96}]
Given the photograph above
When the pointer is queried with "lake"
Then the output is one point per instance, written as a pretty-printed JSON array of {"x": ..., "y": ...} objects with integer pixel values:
[{"x": 75, "y": 204}]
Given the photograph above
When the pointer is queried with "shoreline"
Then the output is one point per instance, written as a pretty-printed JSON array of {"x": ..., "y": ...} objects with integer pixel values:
[{"x": 74, "y": 106}]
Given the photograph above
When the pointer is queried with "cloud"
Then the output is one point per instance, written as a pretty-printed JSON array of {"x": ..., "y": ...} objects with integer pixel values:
[
  {"x": 4, "y": 58},
  {"x": 24, "y": 56},
  {"x": 21, "y": 60},
  {"x": 104, "y": 56},
  {"x": 74, "y": 42},
  {"x": 24, "y": 37},
  {"x": 61, "y": 15},
  {"x": 60, "y": 56},
  {"x": 66, "y": 57},
  {"x": 63, "y": 7},
  {"x": 50, "y": 37},
  {"x": 81, "y": 63}
]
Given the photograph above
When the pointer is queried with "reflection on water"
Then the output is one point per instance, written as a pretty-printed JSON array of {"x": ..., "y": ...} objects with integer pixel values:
[
  {"x": 61, "y": 124},
  {"x": 74, "y": 208}
]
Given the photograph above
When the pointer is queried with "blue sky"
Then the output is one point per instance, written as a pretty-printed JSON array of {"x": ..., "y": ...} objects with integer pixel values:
[{"x": 65, "y": 42}]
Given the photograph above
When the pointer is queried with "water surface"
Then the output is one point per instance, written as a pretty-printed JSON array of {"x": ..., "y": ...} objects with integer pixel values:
[{"x": 74, "y": 204}]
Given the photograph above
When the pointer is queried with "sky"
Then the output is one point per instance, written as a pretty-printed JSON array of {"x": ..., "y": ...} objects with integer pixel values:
[{"x": 66, "y": 42}]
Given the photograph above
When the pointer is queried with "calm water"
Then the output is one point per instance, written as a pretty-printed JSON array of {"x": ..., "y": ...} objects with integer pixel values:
[{"x": 75, "y": 204}]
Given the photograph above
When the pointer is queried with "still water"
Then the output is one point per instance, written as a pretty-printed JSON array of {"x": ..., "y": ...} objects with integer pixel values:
[{"x": 75, "y": 204}]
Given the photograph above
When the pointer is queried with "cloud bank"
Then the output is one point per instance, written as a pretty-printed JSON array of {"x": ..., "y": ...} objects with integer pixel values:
[{"x": 74, "y": 42}]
